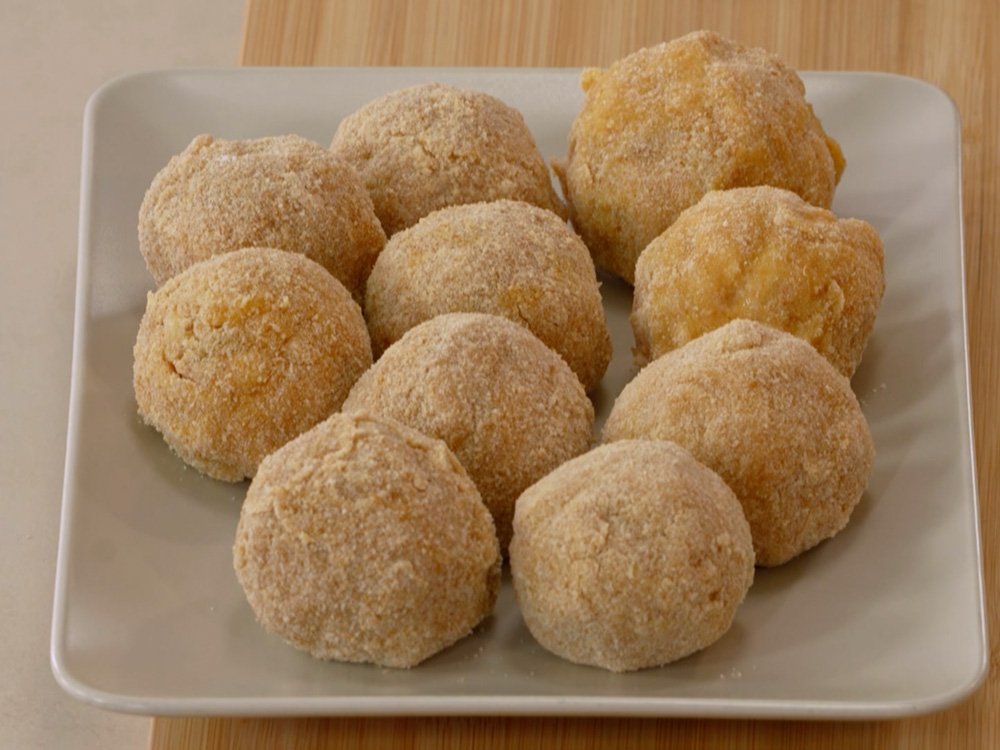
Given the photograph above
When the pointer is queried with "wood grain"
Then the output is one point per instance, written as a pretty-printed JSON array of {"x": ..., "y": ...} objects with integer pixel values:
[{"x": 950, "y": 44}]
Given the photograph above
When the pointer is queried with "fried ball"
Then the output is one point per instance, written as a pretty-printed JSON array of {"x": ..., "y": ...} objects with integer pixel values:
[
  {"x": 244, "y": 351},
  {"x": 772, "y": 417},
  {"x": 507, "y": 405},
  {"x": 285, "y": 192},
  {"x": 663, "y": 126},
  {"x": 763, "y": 254},
  {"x": 364, "y": 541},
  {"x": 505, "y": 258},
  {"x": 429, "y": 146},
  {"x": 630, "y": 556}
]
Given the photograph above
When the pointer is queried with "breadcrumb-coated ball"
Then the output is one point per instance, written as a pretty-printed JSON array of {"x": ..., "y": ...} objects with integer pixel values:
[
  {"x": 284, "y": 191},
  {"x": 506, "y": 258},
  {"x": 630, "y": 556},
  {"x": 763, "y": 254},
  {"x": 244, "y": 351},
  {"x": 507, "y": 405},
  {"x": 429, "y": 146},
  {"x": 772, "y": 417},
  {"x": 666, "y": 124},
  {"x": 365, "y": 541}
]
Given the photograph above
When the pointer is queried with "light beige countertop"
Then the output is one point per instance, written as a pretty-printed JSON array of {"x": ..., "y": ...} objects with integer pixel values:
[{"x": 53, "y": 55}]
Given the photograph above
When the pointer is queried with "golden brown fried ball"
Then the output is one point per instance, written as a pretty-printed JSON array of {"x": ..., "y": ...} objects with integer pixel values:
[
  {"x": 663, "y": 126},
  {"x": 242, "y": 352},
  {"x": 429, "y": 146},
  {"x": 507, "y": 405},
  {"x": 284, "y": 192},
  {"x": 772, "y": 417},
  {"x": 630, "y": 556},
  {"x": 363, "y": 540},
  {"x": 763, "y": 254},
  {"x": 505, "y": 258}
]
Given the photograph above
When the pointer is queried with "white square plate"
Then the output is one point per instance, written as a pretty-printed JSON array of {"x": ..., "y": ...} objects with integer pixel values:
[{"x": 886, "y": 619}]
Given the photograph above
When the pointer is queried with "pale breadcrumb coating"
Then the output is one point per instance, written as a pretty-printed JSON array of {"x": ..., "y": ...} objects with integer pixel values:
[
  {"x": 763, "y": 254},
  {"x": 630, "y": 556},
  {"x": 507, "y": 405},
  {"x": 242, "y": 352},
  {"x": 363, "y": 540},
  {"x": 666, "y": 124},
  {"x": 772, "y": 416},
  {"x": 506, "y": 258},
  {"x": 284, "y": 191},
  {"x": 429, "y": 146}
]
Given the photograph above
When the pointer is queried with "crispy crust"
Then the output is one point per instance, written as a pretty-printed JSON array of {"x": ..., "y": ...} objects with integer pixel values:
[
  {"x": 285, "y": 192},
  {"x": 429, "y": 146},
  {"x": 507, "y": 405},
  {"x": 772, "y": 416},
  {"x": 505, "y": 258},
  {"x": 764, "y": 254},
  {"x": 666, "y": 124},
  {"x": 630, "y": 556},
  {"x": 242, "y": 352},
  {"x": 363, "y": 540}
]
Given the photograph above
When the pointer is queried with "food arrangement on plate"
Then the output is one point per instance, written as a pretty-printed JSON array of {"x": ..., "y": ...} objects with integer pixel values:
[{"x": 394, "y": 339}]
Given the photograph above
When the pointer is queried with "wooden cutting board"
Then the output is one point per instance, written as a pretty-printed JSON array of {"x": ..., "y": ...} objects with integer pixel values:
[{"x": 950, "y": 44}]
